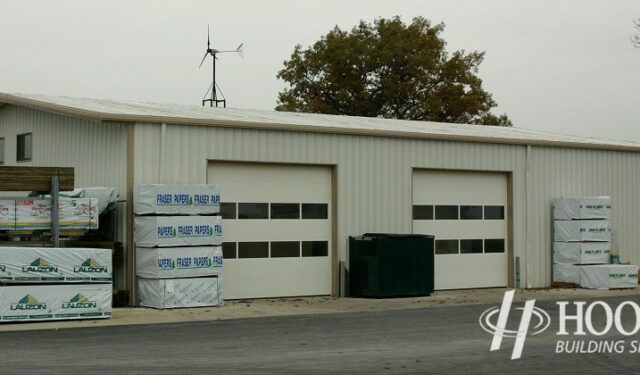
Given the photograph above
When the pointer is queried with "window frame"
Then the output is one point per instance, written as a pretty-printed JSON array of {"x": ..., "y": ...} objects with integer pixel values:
[{"x": 24, "y": 159}]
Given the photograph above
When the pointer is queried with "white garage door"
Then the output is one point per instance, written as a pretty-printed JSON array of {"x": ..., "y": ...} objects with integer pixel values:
[
  {"x": 466, "y": 212},
  {"x": 276, "y": 229}
]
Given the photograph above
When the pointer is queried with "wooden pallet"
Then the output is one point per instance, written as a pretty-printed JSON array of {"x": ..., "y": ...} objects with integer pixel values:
[
  {"x": 35, "y": 178},
  {"x": 45, "y": 233}
]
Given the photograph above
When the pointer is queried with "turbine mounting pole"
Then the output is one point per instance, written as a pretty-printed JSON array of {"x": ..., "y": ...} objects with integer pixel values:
[{"x": 214, "y": 92}]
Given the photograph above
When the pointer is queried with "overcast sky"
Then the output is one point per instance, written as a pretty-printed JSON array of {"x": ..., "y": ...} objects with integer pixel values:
[{"x": 562, "y": 66}]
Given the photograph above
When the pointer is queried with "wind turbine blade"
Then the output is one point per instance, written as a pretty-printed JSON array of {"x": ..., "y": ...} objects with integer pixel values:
[
  {"x": 241, "y": 53},
  {"x": 239, "y": 47},
  {"x": 208, "y": 33},
  {"x": 204, "y": 57}
]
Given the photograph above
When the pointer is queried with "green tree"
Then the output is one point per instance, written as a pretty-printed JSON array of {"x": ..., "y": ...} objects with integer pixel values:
[{"x": 391, "y": 70}]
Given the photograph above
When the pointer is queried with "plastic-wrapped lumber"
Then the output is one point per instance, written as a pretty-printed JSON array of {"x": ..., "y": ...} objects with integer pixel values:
[
  {"x": 566, "y": 273},
  {"x": 175, "y": 293},
  {"x": 73, "y": 213},
  {"x": 577, "y": 208},
  {"x": 174, "y": 231},
  {"x": 55, "y": 302},
  {"x": 178, "y": 262},
  {"x": 50, "y": 264},
  {"x": 7, "y": 214},
  {"x": 581, "y": 252},
  {"x": 609, "y": 276},
  {"x": 582, "y": 230},
  {"x": 174, "y": 199}
]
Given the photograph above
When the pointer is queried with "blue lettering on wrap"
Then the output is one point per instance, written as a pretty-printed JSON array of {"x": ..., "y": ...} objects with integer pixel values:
[
  {"x": 201, "y": 199},
  {"x": 202, "y": 230},
  {"x": 183, "y": 262},
  {"x": 200, "y": 261},
  {"x": 166, "y": 231},
  {"x": 163, "y": 199},
  {"x": 181, "y": 198},
  {"x": 185, "y": 230}
]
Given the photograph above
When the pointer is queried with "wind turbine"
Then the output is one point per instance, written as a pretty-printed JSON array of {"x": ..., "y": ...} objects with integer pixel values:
[{"x": 214, "y": 88}]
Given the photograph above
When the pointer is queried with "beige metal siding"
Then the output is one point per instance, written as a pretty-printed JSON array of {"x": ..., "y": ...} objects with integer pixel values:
[
  {"x": 373, "y": 173},
  {"x": 557, "y": 172},
  {"x": 96, "y": 151}
]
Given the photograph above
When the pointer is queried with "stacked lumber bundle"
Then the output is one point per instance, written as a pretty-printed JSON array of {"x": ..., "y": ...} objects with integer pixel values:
[
  {"x": 582, "y": 245},
  {"x": 35, "y": 213},
  {"x": 178, "y": 257},
  {"x": 55, "y": 283}
]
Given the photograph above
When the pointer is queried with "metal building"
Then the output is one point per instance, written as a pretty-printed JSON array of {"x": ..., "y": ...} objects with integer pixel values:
[{"x": 296, "y": 186}]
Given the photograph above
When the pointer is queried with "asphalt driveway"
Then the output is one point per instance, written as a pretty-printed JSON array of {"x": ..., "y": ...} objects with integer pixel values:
[{"x": 426, "y": 340}]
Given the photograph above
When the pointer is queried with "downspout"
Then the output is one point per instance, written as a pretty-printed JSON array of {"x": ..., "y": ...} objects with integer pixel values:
[
  {"x": 130, "y": 266},
  {"x": 527, "y": 204},
  {"x": 162, "y": 151}
]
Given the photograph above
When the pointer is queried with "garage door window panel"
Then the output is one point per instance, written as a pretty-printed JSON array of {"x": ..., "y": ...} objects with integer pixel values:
[
  {"x": 315, "y": 211},
  {"x": 446, "y": 212},
  {"x": 471, "y": 212},
  {"x": 228, "y": 210},
  {"x": 285, "y": 210},
  {"x": 315, "y": 248},
  {"x": 253, "y": 210},
  {"x": 285, "y": 249},
  {"x": 471, "y": 246},
  {"x": 494, "y": 245},
  {"x": 253, "y": 249},
  {"x": 494, "y": 212},
  {"x": 422, "y": 212},
  {"x": 228, "y": 250},
  {"x": 447, "y": 247}
]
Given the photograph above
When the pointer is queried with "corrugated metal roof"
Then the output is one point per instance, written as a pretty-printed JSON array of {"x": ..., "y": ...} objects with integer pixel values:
[{"x": 126, "y": 111}]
